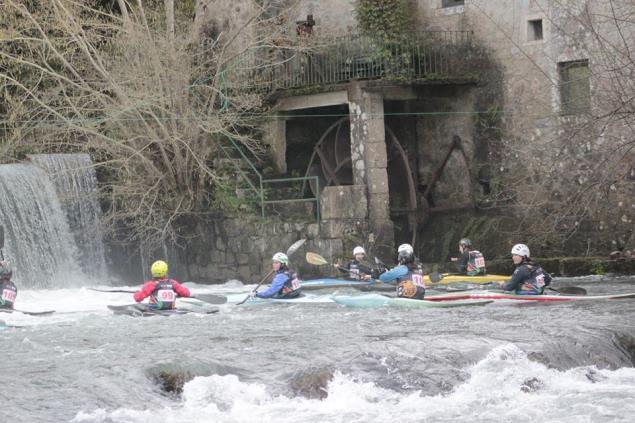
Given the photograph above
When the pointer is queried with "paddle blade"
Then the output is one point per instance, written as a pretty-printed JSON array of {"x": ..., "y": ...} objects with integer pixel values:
[
  {"x": 570, "y": 290},
  {"x": 244, "y": 301},
  {"x": 315, "y": 259},
  {"x": 211, "y": 298},
  {"x": 294, "y": 247}
]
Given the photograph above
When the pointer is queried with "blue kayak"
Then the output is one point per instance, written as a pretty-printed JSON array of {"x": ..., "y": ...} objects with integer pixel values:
[
  {"x": 304, "y": 298},
  {"x": 332, "y": 283}
]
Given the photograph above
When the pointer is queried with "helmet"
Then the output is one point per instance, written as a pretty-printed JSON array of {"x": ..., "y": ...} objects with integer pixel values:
[
  {"x": 405, "y": 253},
  {"x": 281, "y": 258},
  {"x": 358, "y": 250},
  {"x": 159, "y": 269},
  {"x": 465, "y": 242},
  {"x": 5, "y": 272},
  {"x": 520, "y": 250}
]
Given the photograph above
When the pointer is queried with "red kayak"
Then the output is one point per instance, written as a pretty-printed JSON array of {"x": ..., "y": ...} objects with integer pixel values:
[{"x": 486, "y": 295}]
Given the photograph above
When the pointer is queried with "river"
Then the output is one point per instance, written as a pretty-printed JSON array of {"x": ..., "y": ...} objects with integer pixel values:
[{"x": 320, "y": 362}]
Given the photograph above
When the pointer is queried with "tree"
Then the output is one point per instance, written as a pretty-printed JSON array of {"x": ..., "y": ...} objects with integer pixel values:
[{"x": 138, "y": 85}]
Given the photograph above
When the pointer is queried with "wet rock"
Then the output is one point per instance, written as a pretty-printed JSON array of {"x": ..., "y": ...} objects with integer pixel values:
[
  {"x": 532, "y": 385},
  {"x": 594, "y": 376},
  {"x": 172, "y": 381},
  {"x": 539, "y": 357},
  {"x": 311, "y": 383},
  {"x": 626, "y": 344}
]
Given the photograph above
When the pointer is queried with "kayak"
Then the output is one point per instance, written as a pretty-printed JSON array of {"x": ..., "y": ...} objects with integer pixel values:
[
  {"x": 378, "y": 300},
  {"x": 304, "y": 298},
  {"x": 332, "y": 283},
  {"x": 447, "y": 278},
  {"x": 489, "y": 295},
  {"x": 143, "y": 310}
]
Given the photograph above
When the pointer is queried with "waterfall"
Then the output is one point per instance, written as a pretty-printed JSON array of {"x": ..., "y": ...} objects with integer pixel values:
[
  {"x": 38, "y": 241},
  {"x": 73, "y": 176}
]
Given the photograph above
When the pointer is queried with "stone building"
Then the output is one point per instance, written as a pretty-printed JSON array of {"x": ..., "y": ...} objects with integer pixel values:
[{"x": 504, "y": 121}]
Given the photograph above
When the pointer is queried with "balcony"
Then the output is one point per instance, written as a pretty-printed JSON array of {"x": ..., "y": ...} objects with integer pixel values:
[{"x": 317, "y": 63}]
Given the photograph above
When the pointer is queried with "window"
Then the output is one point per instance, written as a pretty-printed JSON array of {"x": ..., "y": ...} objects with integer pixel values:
[
  {"x": 452, "y": 3},
  {"x": 534, "y": 30},
  {"x": 575, "y": 90}
]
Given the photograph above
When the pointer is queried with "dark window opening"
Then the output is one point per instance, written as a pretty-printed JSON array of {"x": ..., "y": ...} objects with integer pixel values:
[
  {"x": 575, "y": 90},
  {"x": 452, "y": 3},
  {"x": 534, "y": 30}
]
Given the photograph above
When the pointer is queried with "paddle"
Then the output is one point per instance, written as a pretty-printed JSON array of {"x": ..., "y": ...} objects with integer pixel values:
[
  {"x": 569, "y": 290},
  {"x": 30, "y": 313},
  {"x": 207, "y": 298},
  {"x": 292, "y": 249},
  {"x": 35, "y": 313}
]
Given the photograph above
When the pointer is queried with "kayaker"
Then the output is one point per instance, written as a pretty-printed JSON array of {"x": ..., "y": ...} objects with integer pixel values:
[
  {"x": 8, "y": 290},
  {"x": 356, "y": 268},
  {"x": 471, "y": 262},
  {"x": 161, "y": 289},
  {"x": 528, "y": 278},
  {"x": 408, "y": 274},
  {"x": 285, "y": 283}
]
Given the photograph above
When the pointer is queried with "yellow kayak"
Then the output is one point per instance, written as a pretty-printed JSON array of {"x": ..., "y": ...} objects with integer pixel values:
[{"x": 447, "y": 278}]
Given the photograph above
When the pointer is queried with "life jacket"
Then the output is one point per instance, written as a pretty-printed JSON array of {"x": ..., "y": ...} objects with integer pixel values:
[
  {"x": 164, "y": 296},
  {"x": 475, "y": 263},
  {"x": 291, "y": 287},
  {"x": 537, "y": 281},
  {"x": 8, "y": 293},
  {"x": 411, "y": 285}
]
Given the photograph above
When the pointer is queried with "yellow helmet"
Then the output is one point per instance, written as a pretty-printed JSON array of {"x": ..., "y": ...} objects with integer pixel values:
[{"x": 159, "y": 269}]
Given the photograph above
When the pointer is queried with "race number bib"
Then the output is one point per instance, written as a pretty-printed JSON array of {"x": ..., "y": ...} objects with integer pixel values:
[
  {"x": 354, "y": 273},
  {"x": 417, "y": 279},
  {"x": 480, "y": 262},
  {"x": 540, "y": 281},
  {"x": 166, "y": 295},
  {"x": 8, "y": 295},
  {"x": 295, "y": 284}
]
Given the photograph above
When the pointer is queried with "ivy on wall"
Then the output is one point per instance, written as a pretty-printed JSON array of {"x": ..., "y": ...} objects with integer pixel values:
[{"x": 388, "y": 19}]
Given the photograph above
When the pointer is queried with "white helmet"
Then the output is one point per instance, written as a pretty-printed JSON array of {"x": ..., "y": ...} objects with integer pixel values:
[
  {"x": 358, "y": 250},
  {"x": 520, "y": 250},
  {"x": 281, "y": 258},
  {"x": 406, "y": 249}
]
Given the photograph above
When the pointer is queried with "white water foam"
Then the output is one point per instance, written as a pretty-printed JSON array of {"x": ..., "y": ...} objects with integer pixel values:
[{"x": 504, "y": 387}]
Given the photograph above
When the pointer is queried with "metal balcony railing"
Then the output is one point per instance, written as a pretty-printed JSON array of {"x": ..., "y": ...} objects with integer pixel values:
[
  {"x": 289, "y": 190},
  {"x": 424, "y": 55}
]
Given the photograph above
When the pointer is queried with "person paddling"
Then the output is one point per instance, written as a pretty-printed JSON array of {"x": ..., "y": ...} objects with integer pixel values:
[
  {"x": 471, "y": 262},
  {"x": 408, "y": 274},
  {"x": 285, "y": 283},
  {"x": 161, "y": 289},
  {"x": 357, "y": 269},
  {"x": 528, "y": 278},
  {"x": 8, "y": 290}
]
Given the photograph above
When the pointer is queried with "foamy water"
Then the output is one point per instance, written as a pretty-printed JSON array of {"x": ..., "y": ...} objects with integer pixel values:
[{"x": 494, "y": 392}]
